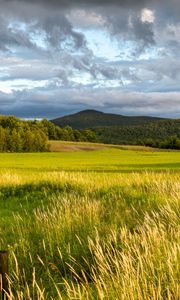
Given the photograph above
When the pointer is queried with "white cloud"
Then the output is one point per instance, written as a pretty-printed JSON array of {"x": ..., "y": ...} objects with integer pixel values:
[
  {"x": 147, "y": 15},
  {"x": 5, "y": 89}
]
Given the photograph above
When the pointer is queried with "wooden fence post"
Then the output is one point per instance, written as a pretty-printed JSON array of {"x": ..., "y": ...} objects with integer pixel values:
[{"x": 4, "y": 288}]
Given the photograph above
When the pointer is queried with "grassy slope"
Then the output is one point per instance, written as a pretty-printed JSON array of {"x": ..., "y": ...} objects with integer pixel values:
[
  {"x": 64, "y": 146},
  {"x": 104, "y": 234}
]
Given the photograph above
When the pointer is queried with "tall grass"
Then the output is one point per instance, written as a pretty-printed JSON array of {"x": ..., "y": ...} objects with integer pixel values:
[{"x": 93, "y": 236}]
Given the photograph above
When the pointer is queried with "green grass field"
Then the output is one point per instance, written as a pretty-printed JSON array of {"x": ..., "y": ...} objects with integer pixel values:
[
  {"x": 101, "y": 160},
  {"x": 101, "y": 224}
]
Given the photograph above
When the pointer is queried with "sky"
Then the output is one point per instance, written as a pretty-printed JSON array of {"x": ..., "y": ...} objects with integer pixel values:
[{"x": 61, "y": 56}]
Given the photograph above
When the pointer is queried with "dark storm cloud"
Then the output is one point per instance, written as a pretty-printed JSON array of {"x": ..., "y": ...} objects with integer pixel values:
[
  {"x": 51, "y": 18},
  {"x": 121, "y": 18},
  {"x": 143, "y": 31},
  {"x": 128, "y": 25},
  {"x": 170, "y": 8},
  {"x": 54, "y": 24},
  {"x": 81, "y": 3},
  {"x": 58, "y": 29},
  {"x": 41, "y": 41},
  {"x": 172, "y": 5},
  {"x": 39, "y": 104},
  {"x": 9, "y": 38}
]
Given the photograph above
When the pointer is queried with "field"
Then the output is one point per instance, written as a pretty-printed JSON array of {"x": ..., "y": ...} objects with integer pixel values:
[{"x": 91, "y": 222}]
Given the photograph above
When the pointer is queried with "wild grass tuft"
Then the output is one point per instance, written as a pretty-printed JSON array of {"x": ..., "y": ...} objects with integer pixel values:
[{"x": 92, "y": 236}]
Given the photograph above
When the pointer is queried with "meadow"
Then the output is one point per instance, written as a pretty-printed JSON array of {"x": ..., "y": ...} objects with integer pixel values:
[{"x": 87, "y": 223}]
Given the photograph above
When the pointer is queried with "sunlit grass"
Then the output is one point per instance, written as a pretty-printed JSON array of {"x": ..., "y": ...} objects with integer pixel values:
[
  {"x": 90, "y": 234},
  {"x": 106, "y": 160}
]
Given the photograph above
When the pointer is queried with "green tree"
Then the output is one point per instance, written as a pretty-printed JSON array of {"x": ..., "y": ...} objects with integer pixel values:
[
  {"x": 15, "y": 141},
  {"x": 2, "y": 139},
  {"x": 89, "y": 135},
  {"x": 28, "y": 141}
]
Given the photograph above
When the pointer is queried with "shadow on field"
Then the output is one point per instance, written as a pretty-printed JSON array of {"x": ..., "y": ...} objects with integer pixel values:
[
  {"x": 42, "y": 189},
  {"x": 105, "y": 168},
  {"x": 33, "y": 195}
]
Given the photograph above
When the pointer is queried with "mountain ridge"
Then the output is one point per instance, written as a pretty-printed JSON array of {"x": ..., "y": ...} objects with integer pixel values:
[{"x": 91, "y": 118}]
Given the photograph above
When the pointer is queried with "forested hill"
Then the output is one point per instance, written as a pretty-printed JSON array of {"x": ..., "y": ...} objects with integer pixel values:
[
  {"x": 92, "y": 118},
  {"x": 118, "y": 129},
  {"x": 32, "y": 136}
]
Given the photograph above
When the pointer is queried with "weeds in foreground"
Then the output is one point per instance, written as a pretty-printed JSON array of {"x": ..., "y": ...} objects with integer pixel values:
[{"x": 121, "y": 241}]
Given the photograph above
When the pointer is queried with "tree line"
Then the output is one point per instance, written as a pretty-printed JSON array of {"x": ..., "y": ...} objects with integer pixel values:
[
  {"x": 18, "y": 135},
  {"x": 172, "y": 142},
  {"x": 162, "y": 134}
]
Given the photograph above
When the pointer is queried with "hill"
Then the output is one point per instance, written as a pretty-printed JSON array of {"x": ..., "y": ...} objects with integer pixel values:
[
  {"x": 93, "y": 118},
  {"x": 118, "y": 129}
]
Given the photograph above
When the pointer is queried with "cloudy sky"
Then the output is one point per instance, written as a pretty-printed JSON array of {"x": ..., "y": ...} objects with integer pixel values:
[{"x": 61, "y": 56}]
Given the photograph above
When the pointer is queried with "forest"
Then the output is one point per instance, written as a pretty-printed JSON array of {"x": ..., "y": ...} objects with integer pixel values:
[
  {"x": 32, "y": 136},
  {"x": 162, "y": 134},
  {"x": 18, "y": 135}
]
